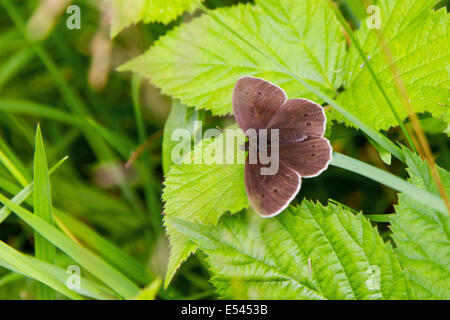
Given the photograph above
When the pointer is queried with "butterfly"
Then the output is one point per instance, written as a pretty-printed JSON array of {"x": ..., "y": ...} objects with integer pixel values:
[{"x": 303, "y": 151}]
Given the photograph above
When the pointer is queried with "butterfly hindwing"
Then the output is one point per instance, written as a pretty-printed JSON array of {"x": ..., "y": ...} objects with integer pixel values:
[{"x": 270, "y": 194}]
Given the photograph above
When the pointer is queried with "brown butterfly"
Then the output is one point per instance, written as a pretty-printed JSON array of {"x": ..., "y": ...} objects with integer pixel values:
[{"x": 303, "y": 151}]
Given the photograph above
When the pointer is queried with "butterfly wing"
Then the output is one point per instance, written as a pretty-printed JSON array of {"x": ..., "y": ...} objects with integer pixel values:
[
  {"x": 310, "y": 154},
  {"x": 309, "y": 158},
  {"x": 297, "y": 117},
  {"x": 270, "y": 194},
  {"x": 255, "y": 101}
]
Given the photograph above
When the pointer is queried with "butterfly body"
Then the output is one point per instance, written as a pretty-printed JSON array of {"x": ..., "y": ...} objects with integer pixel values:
[{"x": 292, "y": 129}]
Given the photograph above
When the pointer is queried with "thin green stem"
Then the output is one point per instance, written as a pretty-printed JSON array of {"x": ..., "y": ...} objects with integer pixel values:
[
  {"x": 372, "y": 73},
  {"x": 150, "y": 196}
]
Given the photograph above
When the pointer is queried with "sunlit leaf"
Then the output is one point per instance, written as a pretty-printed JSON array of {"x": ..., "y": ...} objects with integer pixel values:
[
  {"x": 307, "y": 252},
  {"x": 422, "y": 235},
  {"x": 126, "y": 13},
  {"x": 200, "y": 61},
  {"x": 418, "y": 38}
]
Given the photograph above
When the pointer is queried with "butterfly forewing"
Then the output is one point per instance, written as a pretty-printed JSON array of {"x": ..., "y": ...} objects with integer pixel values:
[
  {"x": 255, "y": 101},
  {"x": 299, "y": 116}
]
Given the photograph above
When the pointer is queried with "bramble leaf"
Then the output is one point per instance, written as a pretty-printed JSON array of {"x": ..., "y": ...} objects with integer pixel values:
[
  {"x": 418, "y": 39},
  {"x": 199, "y": 62},
  {"x": 180, "y": 249},
  {"x": 126, "y": 13},
  {"x": 180, "y": 245},
  {"x": 203, "y": 192},
  {"x": 307, "y": 252},
  {"x": 422, "y": 235},
  {"x": 179, "y": 117}
]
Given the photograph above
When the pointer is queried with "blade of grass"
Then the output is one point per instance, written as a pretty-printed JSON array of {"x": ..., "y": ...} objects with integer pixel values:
[
  {"x": 87, "y": 288},
  {"x": 25, "y": 192},
  {"x": 150, "y": 195},
  {"x": 10, "y": 277},
  {"x": 377, "y": 136},
  {"x": 105, "y": 248},
  {"x": 64, "y": 143},
  {"x": 13, "y": 65},
  {"x": 15, "y": 259},
  {"x": 91, "y": 262},
  {"x": 72, "y": 100},
  {"x": 102, "y": 246},
  {"x": 389, "y": 180},
  {"x": 135, "y": 85},
  {"x": 42, "y": 201},
  {"x": 356, "y": 11},
  {"x": 18, "y": 125},
  {"x": 15, "y": 172},
  {"x": 121, "y": 144},
  {"x": 19, "y": 166},
  {"x": 10, "y": 40},
  {"x": 379, "y": 217},
  {"x": 150, "y": 292}
]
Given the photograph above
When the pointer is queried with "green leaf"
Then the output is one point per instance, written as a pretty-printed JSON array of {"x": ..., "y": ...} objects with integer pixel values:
[
  {"x": 43, "y": 249},
  {"x": 200, "y": 192},
  {"x": 180, "y": 249},
  {"x": 307, "y": 252},
  {"x": 125, "y": 13},
  {"x": 418, "y": 39},
  {"x": 301, "y": 34},
  {"x": 91, "y": 262},
  {"x": 203, "y": 192},
  {"x": 422, "y": 234},
  {"x": 180, "y": 117}
]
